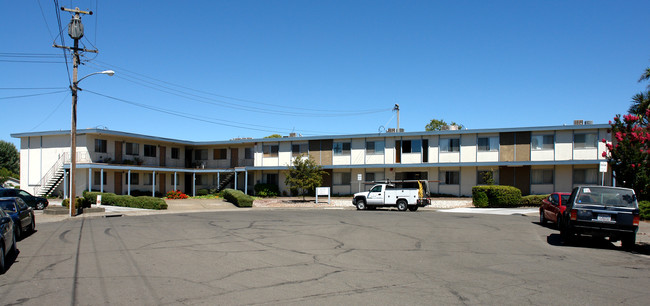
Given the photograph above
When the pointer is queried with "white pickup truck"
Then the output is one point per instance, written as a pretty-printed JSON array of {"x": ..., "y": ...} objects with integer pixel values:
[{"x": 387, "y": 195}]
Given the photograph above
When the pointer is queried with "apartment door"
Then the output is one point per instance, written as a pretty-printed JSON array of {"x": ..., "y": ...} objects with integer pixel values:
[
  {"x": 162, "y": 182},
  {"x": 118, "y": 182},
  {"x": 163, "y": 155},
  {"x": 398, "y": 151},
  {"x": 118, "y": 151},
  {"x": 234, "y": 158}
]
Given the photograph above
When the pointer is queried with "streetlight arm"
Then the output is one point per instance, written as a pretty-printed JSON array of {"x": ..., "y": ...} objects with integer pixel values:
[{"x": 108, "y": 72}]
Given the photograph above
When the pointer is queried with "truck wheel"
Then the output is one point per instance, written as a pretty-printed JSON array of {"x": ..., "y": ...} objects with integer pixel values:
[
  {"x": 361, "y": 204},
  {"x": 629, "y": 241},
  {"x": 402, "y": 205},
  {"x": 413, "y": 207},
  {"x": 542, "y": 218}
]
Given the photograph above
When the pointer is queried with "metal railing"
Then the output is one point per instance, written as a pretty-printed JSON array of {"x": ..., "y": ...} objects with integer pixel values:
[{"x": 50, "y": 173}]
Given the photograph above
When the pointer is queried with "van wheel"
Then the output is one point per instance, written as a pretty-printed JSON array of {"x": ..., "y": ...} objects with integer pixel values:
[
  {"x": 413, "y": 208},
  {"x": 2, "y": 259},
  {"x": 361, "y": 204},
  {"x": 40, "y": 206},
  {"x": 629, "y": 241},
  {"x": 542, "y": 218},
  {"x": 402, "y": 205}
]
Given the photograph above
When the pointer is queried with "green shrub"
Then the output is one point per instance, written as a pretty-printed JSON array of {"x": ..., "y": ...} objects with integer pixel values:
[
  {"x": 497, "y": 196},
  {"x": 533, "y": 200},
  {"x": 237, "y": 197},
  {"x": 266, "y": 190},
  {"x": 644, "y": 206},
  {"x": 81, "y": 203},
  {"x": 111, "y": 199},
  {"x": 202, "y": 192}
]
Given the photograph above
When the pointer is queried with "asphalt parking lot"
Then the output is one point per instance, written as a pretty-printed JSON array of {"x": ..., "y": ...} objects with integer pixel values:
[{"x": 317, "y": 256}]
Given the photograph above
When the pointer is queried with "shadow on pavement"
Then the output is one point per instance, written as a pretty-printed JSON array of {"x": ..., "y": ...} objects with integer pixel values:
[{"x": 595, "y": 243}]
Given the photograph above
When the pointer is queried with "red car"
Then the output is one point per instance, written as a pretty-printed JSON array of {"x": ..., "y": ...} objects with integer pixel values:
[{"x": 552, "y": 207}]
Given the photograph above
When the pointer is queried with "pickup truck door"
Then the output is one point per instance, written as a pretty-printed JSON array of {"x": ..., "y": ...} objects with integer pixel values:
[{"x": 376, "y": 195}]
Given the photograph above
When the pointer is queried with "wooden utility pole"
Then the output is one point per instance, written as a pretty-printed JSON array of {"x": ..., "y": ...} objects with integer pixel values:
[{"x": 76, "y": 32}]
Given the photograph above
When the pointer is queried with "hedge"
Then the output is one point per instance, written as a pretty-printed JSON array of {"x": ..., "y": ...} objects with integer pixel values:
[
  {"x": 146, "y": 202},
  {"x": 495, "y": 196},
  {"x": 266, "y": 190},
  {"x": 644, "y": 206},
  {"x": 237, "y": 197},
  {"x": 533, "y": 200}
]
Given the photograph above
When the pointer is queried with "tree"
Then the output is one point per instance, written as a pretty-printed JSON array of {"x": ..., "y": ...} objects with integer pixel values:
[
  {"x": 629, "y": 155},
  {"x": 304, "y": 175},
  {"x": 9, "y": 157},
  {"x": 437, "y": 125},
  {"x": 274, "y": 136}
]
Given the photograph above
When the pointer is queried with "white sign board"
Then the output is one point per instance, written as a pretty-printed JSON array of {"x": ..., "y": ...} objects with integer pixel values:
[
  {"x": 359, "y": 177},
  {"x": 323, "y": 191},
  {"x": 603, "y": 166},
  {"x": 99, "y": 199}
]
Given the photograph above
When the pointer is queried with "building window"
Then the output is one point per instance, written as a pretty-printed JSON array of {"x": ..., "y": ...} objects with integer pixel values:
[
  {"x": 452, "y": 177},
  {"x": 132, "y": 148},
  {"x": 176, "y": 153},
  {"x": 486, "y": 144},
  {"x": 585, "y": 176},
  {"x": 220, "y": 153},
  {"x": 101, "y": 145},
  {"x": 97, "y": 176},
  {"x": 341, "y": 148},
  {"x": 450, "y": 145},
  {"x": 374, "y": 176},
  {"x": 412, "y": 146},
  {"x": 482, "y": 175},
  {"x": 270, "y": 150},
  {"x": 375, "y": 147},
  {"x": 148, "y": 178},
  {"x": 297, "y": 149},
  {"x": 541, "y": 176},
  {"x": 271, "y": 178},
  {"x": 248, "y": 153},
  {"x": 201, "y": 154},
  {"x": 342, "y": 178},
  {"x": 584, "y": 140},
  {"x": 542, "y": 142},
  {"x": 149, "y": 150},
  {"x": 135, "y": 178}
]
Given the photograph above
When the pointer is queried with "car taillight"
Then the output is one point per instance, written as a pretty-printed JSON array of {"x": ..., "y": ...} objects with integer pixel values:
[
  {"x": 635, "y": 221},
  {"x": 574, "y": 214}
]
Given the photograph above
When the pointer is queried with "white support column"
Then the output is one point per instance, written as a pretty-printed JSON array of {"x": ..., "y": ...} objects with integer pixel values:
[
  {"x": 246, "y": 181},
  {"x": 65, "y": 184},
  {"x": 235, "y": 180},
  {"x": 90, "y": 179},
  {"x": 128, "y": 183},
  {"x": 175, "y": 181},
  {"x": 101, "y": 180},
  {"x": 193, "y": 184},
  {"x": 153, "y": 184},
  {"x": 218, "y": 179}
]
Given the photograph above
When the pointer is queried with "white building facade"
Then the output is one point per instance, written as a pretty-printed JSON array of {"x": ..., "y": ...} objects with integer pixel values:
[{"x": 537, "y": 160}]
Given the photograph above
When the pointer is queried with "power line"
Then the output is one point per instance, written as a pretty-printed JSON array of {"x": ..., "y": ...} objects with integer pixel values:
[
  {"x": 65, "y": 55},
  {"x": 33, "y": 95},
  {"x": 51, "y": 113},
  {"x": 45, "y": 20},
  {"x": 30, "y": 88}
]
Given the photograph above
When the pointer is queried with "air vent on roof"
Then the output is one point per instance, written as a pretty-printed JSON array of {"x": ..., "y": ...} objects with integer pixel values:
[
  {"x": 577, "y": 122},
  {"x": 589, "y": 122}
]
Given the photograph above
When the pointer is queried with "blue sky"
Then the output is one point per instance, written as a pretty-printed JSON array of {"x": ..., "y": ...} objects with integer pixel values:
[{"x": 216, "y": 70}]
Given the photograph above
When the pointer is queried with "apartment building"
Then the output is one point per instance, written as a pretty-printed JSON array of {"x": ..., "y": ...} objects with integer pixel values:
[{"x": 536, "y": 160}]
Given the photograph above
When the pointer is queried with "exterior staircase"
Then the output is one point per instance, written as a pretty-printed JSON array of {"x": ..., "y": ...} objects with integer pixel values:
[
  {"x": 226, "y": 181},
  {"x": 52, "y": 178}
]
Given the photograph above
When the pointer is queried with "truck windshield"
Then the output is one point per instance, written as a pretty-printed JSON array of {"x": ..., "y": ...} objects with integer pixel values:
[{"x": 607, "y": 196}]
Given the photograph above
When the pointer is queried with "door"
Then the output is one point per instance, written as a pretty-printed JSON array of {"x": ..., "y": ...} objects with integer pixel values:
[
  {"x": 162, "y": 182},
  {"x": 398, "y": 151},
  {"x": 375, "y": 196},
  {"x": 163, "y": 155},
  {"x": 118, "y": 183},
  {"x": 118, "y": 151},
  {"x": 234, "y": 158}
]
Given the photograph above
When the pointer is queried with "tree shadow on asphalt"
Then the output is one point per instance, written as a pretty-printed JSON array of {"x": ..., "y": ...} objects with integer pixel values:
[{"x": 595, "y": 243}]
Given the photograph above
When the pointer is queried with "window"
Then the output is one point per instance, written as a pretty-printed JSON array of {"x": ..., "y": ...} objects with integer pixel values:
[
  {"x": 342, "y": 178},
  {"x": 584, "y": 140},
  {"x": 132, "y": 148},
  {"x": 101, "y": 145},
  {"x": 542, "y": 142},
  {"x": 482, "y": 176},
  {"x": 488, "y": 144},
  {"x": 541, "y": 176},
  {"x": 452, "y": 177},
  {"x": 271, "y": 178},
  {"x": 135, "y": 178},
  {"x": 585, "y": 176},
  {"x": 374, "y": 176},
  {"x": 375, "y": 147},
  {"x": 450, "y": 145},
  {"x": 220, "y": 153},
  {"x": 201, "y": 154},
  {"x": 270, "y": 150},
  {"x": 150, "y": 150},
  {"x": 412, "y": 146},
  {"x": 341, "y": 148},
  {"x": 297, "y": 149},
  {"x": 97, "y": 176},
  {"x": 176, "y": 153},
  {"x": 248, "y": 153},
  {"x": 148, "y": 178}
]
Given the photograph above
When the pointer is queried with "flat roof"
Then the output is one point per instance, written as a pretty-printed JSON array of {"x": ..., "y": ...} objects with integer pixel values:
[{"x": 341, "y": 136}]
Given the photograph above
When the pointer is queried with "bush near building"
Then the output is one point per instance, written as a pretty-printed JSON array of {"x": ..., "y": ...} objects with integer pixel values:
[
  {"x": 534, "y": 200},
  {"x": 496, "y": 196},
  {"x": 266, "y": 190},
  {"x": 112, "y": 199},
  {"x": 237, "y": 197},
  {"x": 644, "y": 206}
]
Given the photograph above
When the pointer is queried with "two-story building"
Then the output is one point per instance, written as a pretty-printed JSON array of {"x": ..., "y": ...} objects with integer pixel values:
[{"x": 536, "y": 160}]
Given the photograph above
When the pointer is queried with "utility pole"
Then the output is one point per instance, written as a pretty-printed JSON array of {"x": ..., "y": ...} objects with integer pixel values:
[
  {"x": 396, "y": 108},
  {"x": 76, "y": 32}
]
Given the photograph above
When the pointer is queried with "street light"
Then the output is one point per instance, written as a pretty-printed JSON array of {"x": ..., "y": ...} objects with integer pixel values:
[{"x": 73, "y": 133}]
